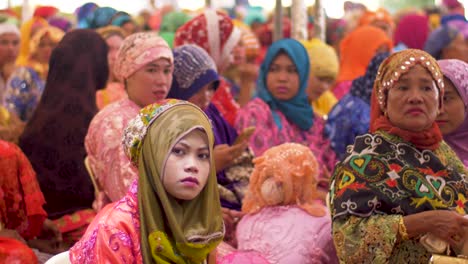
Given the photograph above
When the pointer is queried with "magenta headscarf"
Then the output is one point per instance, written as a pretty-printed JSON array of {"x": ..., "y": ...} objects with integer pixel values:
[
  {"x": 457, "y": 72},
  {"x": 413, "y": 31}
]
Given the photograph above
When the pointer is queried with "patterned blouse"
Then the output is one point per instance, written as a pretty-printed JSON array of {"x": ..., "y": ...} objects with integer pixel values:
[
  {"x": 382, "y": 179},
  {"x": 348, "y": 119},
  {"x": 114, "y": 236},
  {"x": 257, "y": 113},
  {"x": 23, "y": 92},
  {"x": 112, "y": 168}
]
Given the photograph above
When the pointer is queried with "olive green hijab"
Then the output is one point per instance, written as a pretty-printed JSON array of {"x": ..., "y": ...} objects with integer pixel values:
[{"x": 174, "y": 231}]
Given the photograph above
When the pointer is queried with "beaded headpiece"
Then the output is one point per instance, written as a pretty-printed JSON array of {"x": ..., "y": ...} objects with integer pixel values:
[
  {"x": 137, "y": 128},
  {"x": 400, "y": 63}
]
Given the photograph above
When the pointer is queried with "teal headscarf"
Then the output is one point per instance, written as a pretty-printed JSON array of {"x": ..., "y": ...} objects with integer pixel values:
[{"x": 297, "y": 109}]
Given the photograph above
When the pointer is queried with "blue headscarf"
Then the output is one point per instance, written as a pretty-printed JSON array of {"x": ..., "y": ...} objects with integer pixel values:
[
  {"x": 101, "y": 17},
  {"x": 297, "y": 109}
]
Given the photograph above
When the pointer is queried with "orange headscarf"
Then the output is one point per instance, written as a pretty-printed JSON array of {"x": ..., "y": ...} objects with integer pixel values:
[
  {"x": 381, "y": 14},
  {"x": 291, "y": 166},
  {"x": 358, "y": 48},
  {"x": 389, "y": 73}
]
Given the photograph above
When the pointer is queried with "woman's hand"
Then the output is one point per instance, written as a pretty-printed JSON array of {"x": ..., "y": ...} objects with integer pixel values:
[
  {"x": 50, "y": 231},
  {"x": 50, "y": 239},
  {"x": 449, "y": 226},
  {"x": 10, "y": 233},
  {"x": 231, "y": 218},
  {"x": 224, "y": 155},
  {"x": 446, "y": 225}
]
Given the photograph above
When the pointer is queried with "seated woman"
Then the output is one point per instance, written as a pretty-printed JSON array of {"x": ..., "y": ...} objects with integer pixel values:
[
  {"x": 281, "y": 112},
  {"x": 9, "y": 48},
  {"x": 350, "y": 117},
  {"x": 23, "y": 221},
  {"x": 401, "y": 180},
  {"x": 27, "y": 82},
  {"x": 453, "y": 119},
  {"x": 284, "y": 221},
  {"x": 171, "y": 214},
  {"x": 195, "y": 80},
  {"x": 323, "y": 71},
  {"x": 144, "y": 64},
  {"x": 447, "y": 43},
  {"x": 114, "y": 90},
  {"x": 53, "y": 139},
  {"x": 219, "y": 38}
]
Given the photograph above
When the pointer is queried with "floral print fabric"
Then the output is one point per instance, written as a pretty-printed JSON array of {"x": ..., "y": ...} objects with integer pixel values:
[
  {"x": 112, "y": 168},
  {"x": 23, "y": 92},
  {"x": 267, "y": 134}
]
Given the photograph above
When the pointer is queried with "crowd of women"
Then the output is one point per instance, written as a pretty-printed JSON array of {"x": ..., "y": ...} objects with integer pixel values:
[{"x": 181, "y": 137}]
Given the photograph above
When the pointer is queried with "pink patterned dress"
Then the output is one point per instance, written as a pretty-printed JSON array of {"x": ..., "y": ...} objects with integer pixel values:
[
  {"x": 114, "y": 236},
  {"x": 112, "y": 168},
  {"x": 257, "y": 113},
  {"x": 286, "y": 235}
]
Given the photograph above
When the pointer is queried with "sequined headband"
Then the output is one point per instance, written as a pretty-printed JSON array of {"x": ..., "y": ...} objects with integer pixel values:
[
  {"x": 400, "y": 63},
  {"x": 137, "y": 128}
]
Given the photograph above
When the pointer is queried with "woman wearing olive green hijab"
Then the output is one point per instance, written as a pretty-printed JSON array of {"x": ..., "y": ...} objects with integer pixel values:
[{"x": 173, "y": 213}]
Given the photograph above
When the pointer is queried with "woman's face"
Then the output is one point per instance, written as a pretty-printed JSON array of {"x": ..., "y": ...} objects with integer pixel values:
[
  {"x": 130, "y": 27},
  {"x": 203, "y": 97},
  {"x": 151, "y": 83},
  {"x": 453, "y": 111},
  {"x": 9, "y": 47},
  {"x": 318, "y": 85},
  {"x": 413, "y": 101},
  {"x": 44, "y": 50},
  {"x": 457, "y": 49},
  {"x": 187, "y": 167},
  {"x": 283, "y": 79},
  {"x": 113, "y": 42}
]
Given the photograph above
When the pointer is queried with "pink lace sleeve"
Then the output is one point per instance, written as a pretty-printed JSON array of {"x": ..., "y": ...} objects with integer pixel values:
[
  {"x": 111, "y": 166},
  {"x": 105, "y": 244},
  {"x": 113, "y": 236}
]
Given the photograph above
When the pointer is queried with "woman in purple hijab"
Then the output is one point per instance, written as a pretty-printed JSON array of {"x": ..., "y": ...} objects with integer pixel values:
[
  {"x": 453, "y": 119},
  {"x": 194, "y": 79}
]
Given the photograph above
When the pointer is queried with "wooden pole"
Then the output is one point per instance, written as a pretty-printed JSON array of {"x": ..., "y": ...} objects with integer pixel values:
[
  {"x": 299, "y": 20},
  {"x": 278, "y": 21},
  {"x": 320, "y": 21}
]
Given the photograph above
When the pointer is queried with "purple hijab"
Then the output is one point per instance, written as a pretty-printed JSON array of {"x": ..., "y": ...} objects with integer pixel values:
[
  {"x": 457, "y": 72},
  {"x": 194, "y": 68}
]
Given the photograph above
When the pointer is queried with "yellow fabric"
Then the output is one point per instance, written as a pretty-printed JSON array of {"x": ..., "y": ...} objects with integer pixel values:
[
  {"x": 26, "y": 32},
  {"x": 323, "y": 58},
  {"x": 323, "y": 105},
  {"x": 4, "y": 116}
]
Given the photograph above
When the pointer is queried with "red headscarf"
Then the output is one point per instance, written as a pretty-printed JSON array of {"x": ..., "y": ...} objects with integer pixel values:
[
  {"x": 412, "y": 30},
  {"x": 389, "y": 73},
  {"x": 213, "y": 31}
]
